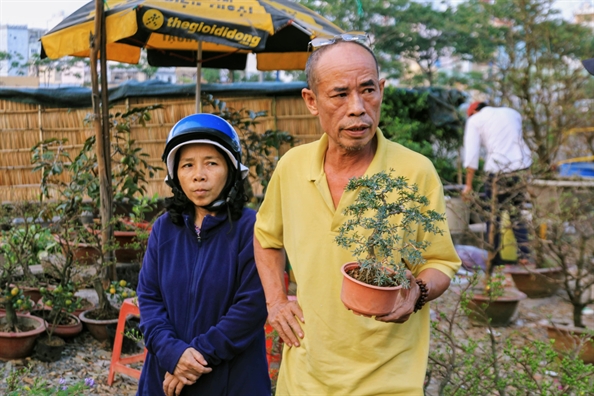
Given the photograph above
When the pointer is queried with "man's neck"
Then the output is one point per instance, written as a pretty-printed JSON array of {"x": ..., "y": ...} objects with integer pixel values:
[
  {"x": 341, "y": 165},
  {"x": 340, "y": 161}
]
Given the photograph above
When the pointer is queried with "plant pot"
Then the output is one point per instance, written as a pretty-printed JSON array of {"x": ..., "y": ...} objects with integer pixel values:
[
  {"x": 83, "y": 253},
  {"x": 97, "y": 327},
  {"x": 537, "y": 282},
  {"x": 366, "y": 300},
  {"x": 126, "y": 254},
  {"x": 47, "y": 351},
  {"x": 86, "y": 305},
  {"x": 567, "y": 339},
  {"x": 65, "y": 331},
  {"x": 20, "y": 345},
  {"x": 500, "y": 312},
  {"x": 32, "y": 292}
]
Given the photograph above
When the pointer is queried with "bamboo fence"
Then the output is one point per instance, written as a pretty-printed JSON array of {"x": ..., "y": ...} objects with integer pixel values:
[{"x": 24, "y": 125}]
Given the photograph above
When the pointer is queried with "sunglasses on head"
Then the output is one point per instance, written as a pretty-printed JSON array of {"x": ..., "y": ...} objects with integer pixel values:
[{"x": 360, "y": 38}]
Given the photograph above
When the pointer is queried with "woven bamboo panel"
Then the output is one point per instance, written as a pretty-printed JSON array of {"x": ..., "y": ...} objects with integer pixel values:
[{"x": 24, "y": 125}]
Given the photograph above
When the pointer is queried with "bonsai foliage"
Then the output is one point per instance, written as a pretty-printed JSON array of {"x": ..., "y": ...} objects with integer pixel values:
[{"x": 380, "y": 228}]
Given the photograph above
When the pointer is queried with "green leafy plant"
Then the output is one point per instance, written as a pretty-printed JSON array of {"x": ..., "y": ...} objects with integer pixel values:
[
  {"x": 380, "y": 231},
  {"x": 18, "y": 250},
  {"x": 120, "y": 290},
  {"x": 61, "y": 301},
  {"x": 462, "y": 363}
]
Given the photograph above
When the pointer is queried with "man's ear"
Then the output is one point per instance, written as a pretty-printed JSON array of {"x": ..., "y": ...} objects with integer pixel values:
[{"x": 310, "y": 100}]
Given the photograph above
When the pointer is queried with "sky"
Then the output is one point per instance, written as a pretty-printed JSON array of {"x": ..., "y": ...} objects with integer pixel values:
[{"x": 45, "y": 14}]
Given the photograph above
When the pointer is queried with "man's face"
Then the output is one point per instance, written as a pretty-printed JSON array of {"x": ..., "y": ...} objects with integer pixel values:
[{"x": 347, "y": 95}]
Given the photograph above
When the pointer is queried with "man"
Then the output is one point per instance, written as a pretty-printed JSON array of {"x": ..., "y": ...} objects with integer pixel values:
[
  {"x": 499, "y": 131},
  {"x": 330, "y": 350}
]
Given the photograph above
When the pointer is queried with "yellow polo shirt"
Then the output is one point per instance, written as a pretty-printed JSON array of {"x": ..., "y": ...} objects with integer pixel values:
[{"x": 342, "y": 353}]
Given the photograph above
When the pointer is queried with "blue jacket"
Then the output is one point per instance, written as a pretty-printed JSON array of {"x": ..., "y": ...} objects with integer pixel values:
[{"x": 204, "y": 293}]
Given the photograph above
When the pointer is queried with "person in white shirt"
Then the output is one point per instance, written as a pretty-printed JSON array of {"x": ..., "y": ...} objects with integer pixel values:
[{"x": 499, "y": 131}]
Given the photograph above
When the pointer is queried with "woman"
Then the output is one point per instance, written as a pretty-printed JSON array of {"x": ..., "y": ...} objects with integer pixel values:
[{"x": 201, "y": 302}]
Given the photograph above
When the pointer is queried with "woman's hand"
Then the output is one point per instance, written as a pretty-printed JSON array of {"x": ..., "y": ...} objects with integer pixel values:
[
  {"x": 172, "y": 386},
  {"x": 191, "y": 366}
]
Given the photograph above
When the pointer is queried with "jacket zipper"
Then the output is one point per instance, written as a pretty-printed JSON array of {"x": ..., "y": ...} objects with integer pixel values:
[{"x": 192, "y": 301}]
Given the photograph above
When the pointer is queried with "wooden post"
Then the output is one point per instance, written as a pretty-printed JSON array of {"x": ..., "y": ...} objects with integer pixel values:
[
  {"x": 104, "y": 169},
  {"x": 108, "y": 201}
]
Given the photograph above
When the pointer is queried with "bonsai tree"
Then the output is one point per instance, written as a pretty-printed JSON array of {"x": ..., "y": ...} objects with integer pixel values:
[
  {"x": 569, "y": 243},
  {"x": 501, "y": 213},
  {"x": 379, "y": 229},
  {"x": 515, "y": 361},
  {"x": 62, "y": 302},
  {"x": 17, "y": 245}
]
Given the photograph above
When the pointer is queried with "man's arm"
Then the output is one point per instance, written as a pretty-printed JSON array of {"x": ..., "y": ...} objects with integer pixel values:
[
  {"x": 282, "y": 313},
  {"x": 436, "y": 282},
  {"x": 469, "y": 177}
]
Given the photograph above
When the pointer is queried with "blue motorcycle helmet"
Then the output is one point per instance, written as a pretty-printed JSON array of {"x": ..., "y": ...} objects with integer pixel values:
[{"x": 206, "y": 129}]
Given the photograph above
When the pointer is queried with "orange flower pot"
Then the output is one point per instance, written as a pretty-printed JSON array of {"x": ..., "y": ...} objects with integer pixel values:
[{"x": 364, "y": 299}]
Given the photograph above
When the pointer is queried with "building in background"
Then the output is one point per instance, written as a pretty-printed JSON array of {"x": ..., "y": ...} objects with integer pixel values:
[
  {"x": 584, "y": 15},
  {"x": 14, "y": 43}
]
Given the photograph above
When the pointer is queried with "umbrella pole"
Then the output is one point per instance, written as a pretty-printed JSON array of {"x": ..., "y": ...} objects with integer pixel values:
[{"x": 199, "y": 78}]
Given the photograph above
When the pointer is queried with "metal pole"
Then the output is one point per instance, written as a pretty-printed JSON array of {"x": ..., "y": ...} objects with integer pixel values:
[{"x": 199, "y": 78}]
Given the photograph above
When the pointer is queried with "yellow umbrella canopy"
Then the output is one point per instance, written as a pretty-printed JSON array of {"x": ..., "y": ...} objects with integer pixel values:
[{"x": 277, "y": 31}]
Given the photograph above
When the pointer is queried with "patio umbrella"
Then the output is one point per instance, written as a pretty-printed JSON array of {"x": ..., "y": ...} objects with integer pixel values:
[{"x": 212, "y": 33}]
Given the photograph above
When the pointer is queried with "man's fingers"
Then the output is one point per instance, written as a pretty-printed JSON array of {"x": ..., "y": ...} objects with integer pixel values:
[{"x": 283, "y": 319}]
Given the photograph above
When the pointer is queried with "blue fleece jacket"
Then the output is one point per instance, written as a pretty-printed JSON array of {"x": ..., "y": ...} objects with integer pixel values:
[{"x": 204, "y": 292}]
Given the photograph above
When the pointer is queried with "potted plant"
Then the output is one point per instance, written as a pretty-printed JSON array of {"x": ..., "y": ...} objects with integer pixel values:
[
  {"x": 492, "y": 301},
  {"x": 569, "y": 243},
  {"x": 60, "y": 323},
  {"x": 379, "y": 231},
  {"x": 17, "y": 332},
  {"x": 98, "y": 320}
]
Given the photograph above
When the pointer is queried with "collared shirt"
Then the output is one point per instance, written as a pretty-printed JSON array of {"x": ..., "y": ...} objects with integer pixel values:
[
  {"x": 499, "y": 131},
  {"x": 342, "y": 353}
]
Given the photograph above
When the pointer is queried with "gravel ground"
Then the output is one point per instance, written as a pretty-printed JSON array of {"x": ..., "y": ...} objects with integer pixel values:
[{"x": 84, "y": 357}]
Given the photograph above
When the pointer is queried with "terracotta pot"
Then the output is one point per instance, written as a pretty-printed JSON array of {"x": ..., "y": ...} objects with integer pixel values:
[
  {"x": 20, "y": 345},
  {"x": 86, "y": 305},
  {"x": 537, "y": 282},
  {"x": 567, "y": 339},
  {"x": 364, "y": 299},
  {"x": 500, "y": 311},
  {"x": 65, "y": 331},
  {"x": 47, "y": 351},
  {"x": 32, "y": 292},
  {"x": 126, "y": 254},
  {"x": 83, "y": 253},
  {"x": 97, "y": 328}
]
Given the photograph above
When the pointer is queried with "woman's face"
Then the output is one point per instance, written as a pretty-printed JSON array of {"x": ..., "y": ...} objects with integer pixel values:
[{"x": 202, "y": 173}]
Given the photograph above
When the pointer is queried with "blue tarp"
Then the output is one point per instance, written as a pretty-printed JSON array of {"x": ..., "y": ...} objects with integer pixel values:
[
  {"x": 582, "y": 169},
  {"x": 78, "y": 97}
]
